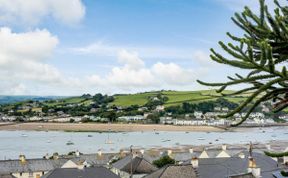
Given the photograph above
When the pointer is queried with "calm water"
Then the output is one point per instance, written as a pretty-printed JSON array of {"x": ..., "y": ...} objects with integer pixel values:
[{"x": 36, "y": 144}]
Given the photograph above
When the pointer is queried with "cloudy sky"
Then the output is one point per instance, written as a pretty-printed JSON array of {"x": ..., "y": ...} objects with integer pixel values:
[{"x": 71, "y": 47}]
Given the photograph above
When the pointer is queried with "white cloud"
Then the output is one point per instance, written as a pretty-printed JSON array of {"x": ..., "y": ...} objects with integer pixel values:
[
  {"x": 32, "y": 12},
  {"x": 19, "y": 89},
  {"x": 24, "y": 69},
  {"x": 133, "y": 75},
  {"x": 173, "y": 74},
  {"x": 22, "y": 55},
  {"x": 103, "y": 49},
  {"x": 130, "y": 59}
]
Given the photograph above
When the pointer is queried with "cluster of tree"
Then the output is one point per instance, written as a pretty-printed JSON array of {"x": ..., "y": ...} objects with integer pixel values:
[
  {"x": 154, "y": 118},
  {"x": 102, "y": 99},
  {"x": 99, "y": 101},
  {"x": 157, "y": 100},
  {"x": 284, "y": 173},
  {"x": 164, "y": 160},
  {"x": 207, "y": 106}
]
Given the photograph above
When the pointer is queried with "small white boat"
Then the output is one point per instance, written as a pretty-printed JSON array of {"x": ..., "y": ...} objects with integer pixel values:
[
  {"x": 24, "y": 135},
  {"x": 109, "y": 142},
  {"x": 200, "y": 138},
  {"x": 48, "y": 141}
]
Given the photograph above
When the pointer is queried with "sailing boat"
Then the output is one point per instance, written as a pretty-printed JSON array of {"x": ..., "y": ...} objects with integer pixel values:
[
  {"x": 70, "y": 142},
  {"x": 108, "y": 141}
]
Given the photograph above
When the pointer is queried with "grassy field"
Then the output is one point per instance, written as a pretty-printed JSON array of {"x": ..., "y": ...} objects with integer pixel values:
[
  {"x": 174, "y": 97},
  {"x": 132, "y": 99},
  {"x": 124, "y": 100},
  {"x": 72, "y": 100}
]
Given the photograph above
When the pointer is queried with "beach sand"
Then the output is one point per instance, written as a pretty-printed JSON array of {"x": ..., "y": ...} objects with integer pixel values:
[{"x": 94, "y": 127}]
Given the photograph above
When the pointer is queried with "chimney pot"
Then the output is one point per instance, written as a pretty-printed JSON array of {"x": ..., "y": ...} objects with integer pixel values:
[
  {"x": 55, "y": 156},
  {"x": 77, "y": 153},
  {"x": 22, "y": 158},
  {"x": 99, "y": 153},
  {"x": 195, "y": 162},
  {"x": 224, "y": 147},
  {"x": 46, "y": 156},
  {"x": 191, "y": 150}
]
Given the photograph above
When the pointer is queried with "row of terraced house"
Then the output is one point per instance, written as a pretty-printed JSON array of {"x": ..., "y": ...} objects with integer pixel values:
[{"x": 211, "y": 162}]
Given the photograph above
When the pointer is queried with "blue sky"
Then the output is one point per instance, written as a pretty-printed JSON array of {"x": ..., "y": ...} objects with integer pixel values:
[{"x": 70, "y": 47}]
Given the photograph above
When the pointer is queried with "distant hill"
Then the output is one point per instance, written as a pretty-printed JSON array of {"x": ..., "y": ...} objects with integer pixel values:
[
  {"x": 124, "y": 100},
  {"x": 174, "y": 97},
  {"x": 14, "y": 99}
]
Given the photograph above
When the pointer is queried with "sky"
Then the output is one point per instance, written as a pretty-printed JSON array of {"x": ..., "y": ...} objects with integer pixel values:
[{"x": 71, "y": 47}]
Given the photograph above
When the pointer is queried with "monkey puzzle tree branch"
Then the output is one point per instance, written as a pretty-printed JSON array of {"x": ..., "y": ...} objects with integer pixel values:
[{"x": 263, "y": 51}]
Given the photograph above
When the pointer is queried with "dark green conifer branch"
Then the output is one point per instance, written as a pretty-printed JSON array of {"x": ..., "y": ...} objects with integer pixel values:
[{"x": 263, "y": 52}]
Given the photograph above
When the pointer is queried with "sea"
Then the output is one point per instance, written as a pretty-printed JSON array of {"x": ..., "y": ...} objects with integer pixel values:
[{"x": 36, "y": 144}]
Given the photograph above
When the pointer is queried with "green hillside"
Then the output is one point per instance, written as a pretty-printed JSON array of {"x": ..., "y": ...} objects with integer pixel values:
[
  {"x": 140, "y": 99},
  {"x": 174, "y": 97}
]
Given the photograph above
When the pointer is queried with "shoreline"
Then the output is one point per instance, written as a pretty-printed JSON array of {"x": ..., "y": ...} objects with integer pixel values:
[
  {"x": 117, "y": 127},
  {"x": 100, "y": 127}
]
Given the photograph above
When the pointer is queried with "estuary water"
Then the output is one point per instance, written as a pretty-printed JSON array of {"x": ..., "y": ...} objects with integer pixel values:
[{"x": 35, "y": 144}]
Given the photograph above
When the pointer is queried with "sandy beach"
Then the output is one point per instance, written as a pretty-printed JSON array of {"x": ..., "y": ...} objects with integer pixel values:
[{"x": 94, "y": 127}]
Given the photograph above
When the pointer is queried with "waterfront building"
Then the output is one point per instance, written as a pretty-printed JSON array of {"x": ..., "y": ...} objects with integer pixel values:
[{"x": 131, "y": 118}]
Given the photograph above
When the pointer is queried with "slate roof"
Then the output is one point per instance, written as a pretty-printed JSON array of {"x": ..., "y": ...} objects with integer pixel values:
[
  {"x": 212, "y": 153},
  {"x": 7, "y": 176},
  {"x": 139, "y": 165},
  {"x": 175, "y": 171},
  {"x": 92, "y": 172},
  {"x": 182, "y": 156},
  {"x": 31, "y": 165},
  {"x": 224, "y": 167},
  {"x": 93, "y": 159},
  {"x": 245, "y": 175},
  {"x": 150, "y": 158}
]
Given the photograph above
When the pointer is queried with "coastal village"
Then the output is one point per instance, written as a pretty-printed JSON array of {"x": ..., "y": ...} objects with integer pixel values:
[
  {"x": 101, "y": 109},
  {"x": 217, "y": 161},
  {"x": 143, "y": 89},
  {"x": 206, "y": 161},
  {"x": 198, "y": 118}
]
